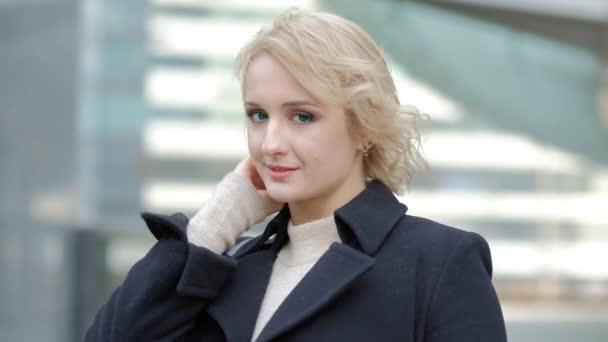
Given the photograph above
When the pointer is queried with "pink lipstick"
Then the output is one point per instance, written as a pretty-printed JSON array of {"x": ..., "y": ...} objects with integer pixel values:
[{"x": 280, "y": 172}]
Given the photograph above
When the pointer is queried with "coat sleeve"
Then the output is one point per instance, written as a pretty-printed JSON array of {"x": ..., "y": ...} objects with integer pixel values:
[
  {"x": 465, "y": 306},
  {"x": 164, "y": 292}
]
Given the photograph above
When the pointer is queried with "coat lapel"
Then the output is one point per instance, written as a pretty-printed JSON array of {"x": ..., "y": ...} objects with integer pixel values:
[
  {"x": 369, "y": 218},
  {"x": 335, "y": 271},
  {"x": 236, "y": 308},
  {"x": 363, "y": 224}
]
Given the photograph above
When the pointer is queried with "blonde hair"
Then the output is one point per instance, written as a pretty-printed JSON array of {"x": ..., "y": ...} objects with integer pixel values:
[{"x": 339, "y": 63}]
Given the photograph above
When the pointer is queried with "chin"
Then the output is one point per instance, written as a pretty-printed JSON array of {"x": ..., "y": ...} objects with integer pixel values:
[{"x": 284, "y": 193}]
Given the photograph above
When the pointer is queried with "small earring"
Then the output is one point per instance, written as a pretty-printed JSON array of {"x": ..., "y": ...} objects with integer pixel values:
[{"x": 366, "y": 149}]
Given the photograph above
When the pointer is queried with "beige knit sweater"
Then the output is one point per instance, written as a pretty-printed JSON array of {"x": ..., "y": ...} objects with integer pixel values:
[{"x": 232, "y": 209}]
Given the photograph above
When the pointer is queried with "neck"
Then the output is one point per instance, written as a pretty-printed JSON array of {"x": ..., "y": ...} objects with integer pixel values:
[{"x": 324, "y": 205}]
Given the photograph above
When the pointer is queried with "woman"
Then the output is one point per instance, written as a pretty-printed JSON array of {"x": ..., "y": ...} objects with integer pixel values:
[{"x": 329, "y": 144}]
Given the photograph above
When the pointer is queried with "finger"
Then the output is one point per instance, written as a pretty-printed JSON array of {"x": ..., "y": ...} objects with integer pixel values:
[{"x": 257, "y": 181}]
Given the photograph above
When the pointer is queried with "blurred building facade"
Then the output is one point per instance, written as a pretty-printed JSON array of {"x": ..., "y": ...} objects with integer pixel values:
[{"x": 114, "y": 107}]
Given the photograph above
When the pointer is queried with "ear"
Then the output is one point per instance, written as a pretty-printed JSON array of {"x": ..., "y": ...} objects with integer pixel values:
[{"x": 359, "y": 138}]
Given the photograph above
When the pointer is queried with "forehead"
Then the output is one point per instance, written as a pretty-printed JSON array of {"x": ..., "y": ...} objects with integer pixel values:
[{"x": 265, "y": 77}]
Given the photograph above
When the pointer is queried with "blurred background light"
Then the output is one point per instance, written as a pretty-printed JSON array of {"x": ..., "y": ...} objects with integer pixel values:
[{"x": 135, "y": 107}]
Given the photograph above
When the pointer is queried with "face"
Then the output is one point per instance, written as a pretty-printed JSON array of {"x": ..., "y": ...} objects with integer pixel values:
[{"x": 301, "y": 148}]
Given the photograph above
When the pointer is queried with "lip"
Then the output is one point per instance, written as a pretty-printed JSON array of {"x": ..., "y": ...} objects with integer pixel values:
[{"x": 280, "y": 172}]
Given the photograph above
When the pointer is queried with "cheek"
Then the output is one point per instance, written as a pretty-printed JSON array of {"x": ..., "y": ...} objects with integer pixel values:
[
  {"x": 254, "y": 151},
  {"x": 253, "y": 143},
  {"x": 339, "y": 138},
  {"x": 326, "y": 148}
]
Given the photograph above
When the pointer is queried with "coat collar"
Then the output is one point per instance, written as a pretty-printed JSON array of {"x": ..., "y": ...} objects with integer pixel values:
[{"x": 363, "y": 223}]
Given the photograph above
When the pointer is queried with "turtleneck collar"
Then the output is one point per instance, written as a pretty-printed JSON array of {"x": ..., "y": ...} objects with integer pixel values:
[
  {"x": 369, "y": 218},
  {"x": 308, "y": 241}
]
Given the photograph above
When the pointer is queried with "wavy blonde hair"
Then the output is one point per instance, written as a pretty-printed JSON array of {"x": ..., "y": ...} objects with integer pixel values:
[{"x": 339, "y": 63}]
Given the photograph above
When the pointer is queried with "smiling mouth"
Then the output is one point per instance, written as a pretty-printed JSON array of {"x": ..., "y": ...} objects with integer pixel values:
[
  {"x": 281, "y": 168},
  {"x": 280, "y": 173}
]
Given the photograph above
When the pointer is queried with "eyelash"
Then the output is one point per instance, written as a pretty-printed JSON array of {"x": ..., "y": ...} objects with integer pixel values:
[
  {"x": 311, "y": 117},
  {"x": 252, "y": 113}
]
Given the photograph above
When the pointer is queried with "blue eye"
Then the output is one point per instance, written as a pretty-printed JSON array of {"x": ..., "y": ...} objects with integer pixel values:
[
  {"x": 257, "y": 116},
  {"x": 302, "y": 117}
]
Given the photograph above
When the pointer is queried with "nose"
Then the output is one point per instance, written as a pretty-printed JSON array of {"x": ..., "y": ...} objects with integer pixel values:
[{"x": 274, "y": 138}]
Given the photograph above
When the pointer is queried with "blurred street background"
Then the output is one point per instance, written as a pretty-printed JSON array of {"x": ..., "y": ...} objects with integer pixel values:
[{"x": 112, "y": 107}]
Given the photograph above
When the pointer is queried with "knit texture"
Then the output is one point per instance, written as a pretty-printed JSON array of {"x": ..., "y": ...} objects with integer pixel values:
[{"x": 232, "y": 209}]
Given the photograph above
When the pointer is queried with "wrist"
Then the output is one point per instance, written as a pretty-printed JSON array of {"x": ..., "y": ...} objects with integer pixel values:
[{"x": 233, "y": 208}]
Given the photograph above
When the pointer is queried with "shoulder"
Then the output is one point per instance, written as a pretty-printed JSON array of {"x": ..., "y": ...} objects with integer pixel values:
[
  {"x": 436, "y": 244},
  {"x": 432, "y": 232}
]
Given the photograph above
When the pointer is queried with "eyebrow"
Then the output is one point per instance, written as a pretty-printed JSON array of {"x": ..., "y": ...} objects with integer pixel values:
[{"x": 287, "y": 104}]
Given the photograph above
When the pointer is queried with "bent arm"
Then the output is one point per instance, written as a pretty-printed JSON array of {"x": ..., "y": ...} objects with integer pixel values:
[
  {"x": 465, "y": 306},
  {"x": 233, "y": 208},
  {"x": 164, "y": 292},
  {"x": 184, "y": 271}
]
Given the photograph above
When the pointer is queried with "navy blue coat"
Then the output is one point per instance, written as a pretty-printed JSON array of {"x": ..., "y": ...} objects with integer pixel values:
[{"x": 394, "y": 277}]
